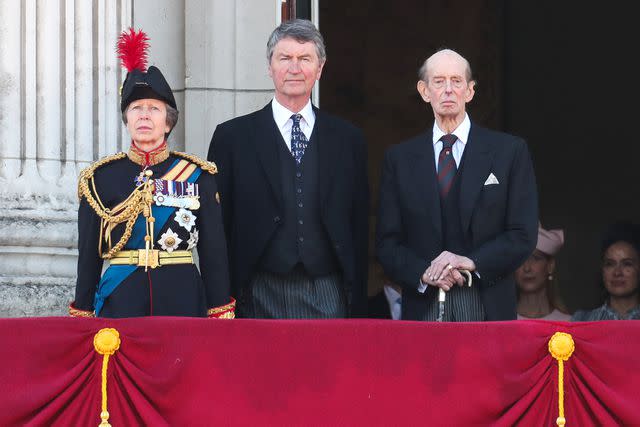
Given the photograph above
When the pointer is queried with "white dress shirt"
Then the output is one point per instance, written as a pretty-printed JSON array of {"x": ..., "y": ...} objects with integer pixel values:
[
  {"x": 282, "y": 117},
  {"x": 461, "y": 132}
]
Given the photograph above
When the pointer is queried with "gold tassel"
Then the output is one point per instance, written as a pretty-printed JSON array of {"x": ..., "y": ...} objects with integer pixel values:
[
  {"x": 106, "y": 342},
  {"x": 561, "y": 347}
]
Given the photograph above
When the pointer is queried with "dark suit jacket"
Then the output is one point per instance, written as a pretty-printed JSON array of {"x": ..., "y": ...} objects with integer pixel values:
[
  {"x": 499, "y": 221},
  {"x": 246, "y": 153}
]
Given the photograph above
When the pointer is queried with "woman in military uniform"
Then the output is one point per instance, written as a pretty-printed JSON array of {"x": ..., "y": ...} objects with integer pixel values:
[{"x": 145, "y": 211}]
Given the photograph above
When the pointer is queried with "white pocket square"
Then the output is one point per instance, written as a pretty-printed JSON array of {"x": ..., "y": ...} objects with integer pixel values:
[{"x": 491, "y": 180}]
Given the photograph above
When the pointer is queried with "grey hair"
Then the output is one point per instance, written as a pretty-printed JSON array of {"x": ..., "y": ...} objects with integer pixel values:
[
  {"x": 172, "y": 116},
  {"x": 171, "y": 120},
  {"x": 422, "y": 72},
  {"x": 301, "y": 30}
]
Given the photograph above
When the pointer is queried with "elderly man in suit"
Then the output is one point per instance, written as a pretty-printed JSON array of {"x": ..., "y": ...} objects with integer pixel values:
[
  {"x": 294, "y": 193},
  {"x": 458, "y": 197}
]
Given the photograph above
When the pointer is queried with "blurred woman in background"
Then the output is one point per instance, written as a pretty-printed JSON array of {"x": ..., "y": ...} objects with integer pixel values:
[
  {"x": 620, "y": 276},
  {"x": 537, "y": 297}
]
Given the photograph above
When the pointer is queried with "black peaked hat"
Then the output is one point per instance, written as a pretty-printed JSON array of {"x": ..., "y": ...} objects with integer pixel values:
[
  {"x": 149, "y": 84},
  {"x": 140, "y": 83}
]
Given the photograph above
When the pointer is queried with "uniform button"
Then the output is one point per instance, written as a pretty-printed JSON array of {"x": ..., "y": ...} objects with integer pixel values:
[
  {"x": 299, "y": 190},
  {"x": 301, "y": 239},
  {"x": 276, "y": 219},
  {"x": 300, "y": 222},
  {"x": 298, "y": 174},
  {"x": 300, "y": 205}
]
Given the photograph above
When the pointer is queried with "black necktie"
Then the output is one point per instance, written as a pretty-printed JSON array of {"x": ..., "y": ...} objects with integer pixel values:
[{"x": 446, "y": 164}]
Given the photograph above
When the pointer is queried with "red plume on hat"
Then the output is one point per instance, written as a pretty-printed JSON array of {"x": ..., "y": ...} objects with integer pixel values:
[
  {"x": 141, "y": 82},
  {"x": 132, "y": 50}
]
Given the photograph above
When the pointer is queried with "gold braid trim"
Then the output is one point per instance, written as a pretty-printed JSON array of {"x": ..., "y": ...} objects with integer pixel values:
[
  {"x": 204, "y": 164},
  {"x": 139, "y": 201},
  {"x": 87, "y": 173},
  {"x": 76, "y": 312},
  {"x": 227, "y": 311},
  {"x": 158, "y": 155}
]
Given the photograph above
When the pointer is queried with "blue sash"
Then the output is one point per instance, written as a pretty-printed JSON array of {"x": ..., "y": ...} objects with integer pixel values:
[{"x": 115, "y": 274}]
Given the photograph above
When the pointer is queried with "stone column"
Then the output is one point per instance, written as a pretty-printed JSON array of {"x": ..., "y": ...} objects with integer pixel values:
[
  {"x": 226, "y": 66},
  {"x": 164, "y": 23},
  {"x": 59, "y": 81}
]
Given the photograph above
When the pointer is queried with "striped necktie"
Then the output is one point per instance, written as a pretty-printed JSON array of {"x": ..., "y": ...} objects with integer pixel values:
[
  {"x": 446, "y": 165},
  {"x": 298, "y": 140}
]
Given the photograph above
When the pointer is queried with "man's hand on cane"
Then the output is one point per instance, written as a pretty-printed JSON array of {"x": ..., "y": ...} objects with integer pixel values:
[{"x": 443, "y": 271}]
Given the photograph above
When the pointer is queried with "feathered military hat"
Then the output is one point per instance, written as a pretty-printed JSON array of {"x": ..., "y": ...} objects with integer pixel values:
[{"x": 140, "y": 83}]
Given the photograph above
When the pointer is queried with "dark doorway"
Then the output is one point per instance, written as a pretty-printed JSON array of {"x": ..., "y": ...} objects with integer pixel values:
[{"x": 563, "y": 83}]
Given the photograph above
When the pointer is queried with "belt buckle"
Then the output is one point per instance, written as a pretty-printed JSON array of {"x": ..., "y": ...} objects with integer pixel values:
[{"x": 153, "y": 261}]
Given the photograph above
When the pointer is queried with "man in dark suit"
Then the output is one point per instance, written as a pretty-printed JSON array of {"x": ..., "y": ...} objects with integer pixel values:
[
  {"x": 458, "y": 197},
  {"x": 294, "y": 194}
]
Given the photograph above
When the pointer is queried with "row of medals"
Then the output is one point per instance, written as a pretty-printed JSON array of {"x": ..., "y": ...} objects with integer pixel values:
[{"x": 190, "y": 202}]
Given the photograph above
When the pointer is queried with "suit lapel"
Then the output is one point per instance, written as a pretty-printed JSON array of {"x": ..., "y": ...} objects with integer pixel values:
[
  {"x": 425, "y": 178},
  {"x": 266, "y": 138},
  {"x": 330, "y": 146},
  {"x": 477, "y": 159}
]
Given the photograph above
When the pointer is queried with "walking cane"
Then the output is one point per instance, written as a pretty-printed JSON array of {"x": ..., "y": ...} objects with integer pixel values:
[{"x": 442, "y": 295}]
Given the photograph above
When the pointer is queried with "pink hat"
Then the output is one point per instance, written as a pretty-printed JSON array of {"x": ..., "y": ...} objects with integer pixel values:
[{"x": 549, "y": 241}]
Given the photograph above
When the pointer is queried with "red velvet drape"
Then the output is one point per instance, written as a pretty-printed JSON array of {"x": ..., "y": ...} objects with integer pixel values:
[{"x": 203, "y": 372}]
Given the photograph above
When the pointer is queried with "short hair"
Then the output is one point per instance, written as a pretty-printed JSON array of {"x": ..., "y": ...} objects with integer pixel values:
[
  {"x": 171, "y": 120},
  {"x": 301, "y": 30},
  {"x": 422, "y": 72}
]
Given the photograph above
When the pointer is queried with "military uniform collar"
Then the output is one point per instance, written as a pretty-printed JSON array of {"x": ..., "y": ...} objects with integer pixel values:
[{"x": 144, "y": 158}]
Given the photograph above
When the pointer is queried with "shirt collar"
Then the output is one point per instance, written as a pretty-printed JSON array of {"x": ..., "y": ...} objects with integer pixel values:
[
  {"x": 461, "y": 132},
  {"x": 281, "y": 113}
]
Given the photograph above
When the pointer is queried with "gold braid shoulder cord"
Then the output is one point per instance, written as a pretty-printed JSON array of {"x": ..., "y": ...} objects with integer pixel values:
[
  {"x": 140, "y": 200},
  {"x": 204, "y": 164}
]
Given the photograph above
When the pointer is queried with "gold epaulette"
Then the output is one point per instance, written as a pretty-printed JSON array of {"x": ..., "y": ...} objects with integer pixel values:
[
  {"x": 87, "y": 173},
  {"x": 204, "y": 164}
]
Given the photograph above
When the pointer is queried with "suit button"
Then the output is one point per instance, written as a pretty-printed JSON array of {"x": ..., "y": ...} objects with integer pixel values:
[
  {"x": 300, "y": 205},
  {"x": 299, "y": 190},
  {"x": 300, "y": 222},
  {"x": 301, "y": 239},
  {"x": 276, "y": 219},
  {"x": 298, "y": 174}
]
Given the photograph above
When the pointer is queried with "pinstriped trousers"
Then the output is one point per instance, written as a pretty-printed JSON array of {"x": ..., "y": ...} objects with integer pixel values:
[
  {"x": 463, "y": 304},
  {"x": 295, "y": 295}
]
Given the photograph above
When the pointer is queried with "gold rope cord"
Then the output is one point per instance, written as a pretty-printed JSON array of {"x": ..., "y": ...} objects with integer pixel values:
[
  {"x": 105, "y": 342},
  {"x": 561, "y": 347},
  {"x": 139, "y": 201}
]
